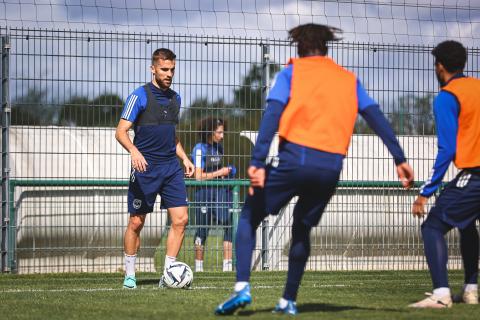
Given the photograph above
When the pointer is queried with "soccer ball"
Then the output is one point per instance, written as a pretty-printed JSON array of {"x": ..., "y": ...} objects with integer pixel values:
[{"x": 178, "y": 275}]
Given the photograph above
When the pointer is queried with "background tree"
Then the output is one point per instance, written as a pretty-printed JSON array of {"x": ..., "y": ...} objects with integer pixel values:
[
  {"x": 32, "y": 109},
  {"x": 102, "y": 111}
]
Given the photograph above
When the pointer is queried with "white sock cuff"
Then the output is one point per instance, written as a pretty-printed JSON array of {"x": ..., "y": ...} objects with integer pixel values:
[
  {"x": 470, "y": 287},
  {"x": 169, "y": 260},
  {"x": 442, "y": 292},
  {"x": 283, "y": 302},
  {"x": 240, "y": 285}
]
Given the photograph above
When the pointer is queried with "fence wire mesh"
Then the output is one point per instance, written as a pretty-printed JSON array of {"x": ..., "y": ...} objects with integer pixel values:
[{"x": 68, "y": 186}]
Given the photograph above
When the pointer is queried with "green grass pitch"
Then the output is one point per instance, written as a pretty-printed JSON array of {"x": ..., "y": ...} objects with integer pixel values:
[{"x": 323, "y": 295}]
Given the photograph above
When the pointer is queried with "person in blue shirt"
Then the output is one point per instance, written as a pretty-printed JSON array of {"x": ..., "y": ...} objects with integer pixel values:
[
  {"x": 457, "y": 119},
  {"x": 213, "y": 203},
  {"x": 313, "y": 104},
  {"x": 152, "y": 111}
]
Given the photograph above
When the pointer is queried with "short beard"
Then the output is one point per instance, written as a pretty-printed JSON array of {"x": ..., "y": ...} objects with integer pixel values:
[{"x": 440, "y": 81}]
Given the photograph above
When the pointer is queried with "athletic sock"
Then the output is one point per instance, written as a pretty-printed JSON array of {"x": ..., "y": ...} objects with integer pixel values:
[
  {"x": 436, "y": 254},
  {"x": 240, "y": 285},
  {"x": 282, "y": 303},
  {"x": 198, "y": 265},
  {"x": 470, "y": 287},
  {"x": 168, "y": 261},
  {"x": 442, "y": 292},
  {"x": 227, "y": 265},
  {"x": 130, "y": 265}
]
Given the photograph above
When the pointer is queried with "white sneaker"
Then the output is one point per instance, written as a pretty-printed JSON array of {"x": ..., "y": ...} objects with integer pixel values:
[
  {"x": 433, "y": 302},
  {"x": 468, "y": 297}
]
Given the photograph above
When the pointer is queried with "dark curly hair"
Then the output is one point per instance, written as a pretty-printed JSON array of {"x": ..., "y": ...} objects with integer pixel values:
[
  {"x": 312, "y": 38},
  {"x": 451, "y": 54},
  {"x": 208, "y": 125}
]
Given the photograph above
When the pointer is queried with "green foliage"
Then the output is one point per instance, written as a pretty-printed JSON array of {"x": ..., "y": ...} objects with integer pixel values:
[
  {"x": 413, "y": 115},
  {"x": 33, "y": 109},
  {"x": 103, "y": 111}
]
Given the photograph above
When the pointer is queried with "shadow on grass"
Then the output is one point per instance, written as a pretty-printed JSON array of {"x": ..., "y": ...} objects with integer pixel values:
[
  {"x": 317, "y": 307},
  {"x": 142, "y": 282}
]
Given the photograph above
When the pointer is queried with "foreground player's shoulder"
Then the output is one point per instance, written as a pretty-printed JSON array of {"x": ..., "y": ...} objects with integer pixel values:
[{"x": 281, "y": 85}]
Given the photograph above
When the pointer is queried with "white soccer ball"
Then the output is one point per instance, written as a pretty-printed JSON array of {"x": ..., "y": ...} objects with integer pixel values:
[{"x": 178, "y": 275}]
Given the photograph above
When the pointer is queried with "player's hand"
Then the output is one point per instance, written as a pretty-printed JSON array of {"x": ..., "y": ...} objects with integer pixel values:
[
  {"x": 405, "y": 175},
  {"x": 189, "y": 167},
  {"x": 225, "y": 171},
  {"x": 418, "y": 208},
  {"x": 138, "y": 161},
  {"x": 257, "y": 178}
]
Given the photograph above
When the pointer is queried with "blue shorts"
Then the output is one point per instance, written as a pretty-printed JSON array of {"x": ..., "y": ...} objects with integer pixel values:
[
  {"x": 212, "y": 209},
  {"x": 459, "y": 203},
  {"x": 313, "y": 182},
  {"x": 164, "y": 179}
]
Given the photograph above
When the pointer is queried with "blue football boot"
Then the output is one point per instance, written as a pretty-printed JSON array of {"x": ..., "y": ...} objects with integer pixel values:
[
  {"x": 237, "y": 300},
  {"x": 290, "y": 308},
  {"x": 130, "y": 282}
]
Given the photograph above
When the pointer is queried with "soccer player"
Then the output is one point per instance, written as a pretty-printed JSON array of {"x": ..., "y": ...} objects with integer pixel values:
[
  {"x": 313, "y": 104},
  {"x": 214, "y": 202},
  {"x": 457, "y": 118},
  {"x": 152, "y": 110}
]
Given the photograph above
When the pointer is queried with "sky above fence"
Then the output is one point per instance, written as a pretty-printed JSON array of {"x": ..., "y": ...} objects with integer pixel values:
[{"x": 381, "y": 21}]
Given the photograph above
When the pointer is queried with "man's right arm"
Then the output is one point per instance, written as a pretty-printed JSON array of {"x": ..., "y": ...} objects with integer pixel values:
[
  {"x": 121, "y": 134},
  {"x": 133, "y": 106}
]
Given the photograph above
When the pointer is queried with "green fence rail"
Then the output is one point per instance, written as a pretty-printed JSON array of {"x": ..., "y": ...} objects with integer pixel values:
[{"x": 236, "y": 201}]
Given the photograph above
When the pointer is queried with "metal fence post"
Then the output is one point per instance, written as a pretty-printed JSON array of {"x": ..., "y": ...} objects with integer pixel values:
[
  {"x": 8, "y": 261},
  {"x": 235, "y": 212},
  {"x": 265, "y": 87}
]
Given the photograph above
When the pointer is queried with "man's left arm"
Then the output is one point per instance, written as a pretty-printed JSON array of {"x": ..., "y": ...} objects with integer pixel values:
[{"x": 189, "y": 167}]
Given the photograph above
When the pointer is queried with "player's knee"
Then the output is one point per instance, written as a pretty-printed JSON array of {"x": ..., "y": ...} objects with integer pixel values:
[
  {"x": 136, "y": 223},
  {"x": 299, "y": 251},
  {"x": 180, "y": 222}
]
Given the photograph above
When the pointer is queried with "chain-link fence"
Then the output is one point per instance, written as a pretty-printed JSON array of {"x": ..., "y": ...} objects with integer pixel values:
[{"x": 65, "y": 178}]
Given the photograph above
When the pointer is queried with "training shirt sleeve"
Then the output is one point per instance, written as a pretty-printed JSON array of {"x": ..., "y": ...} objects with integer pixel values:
[
  {"x": 198, "y": 156},
  {"x": 135, "y": 104},
  {"x": 276, "y": 101},
  {"x": 280, "y": 90},
  {"x": 446, "y": 110},
  {"x": 370, "y": 111}
]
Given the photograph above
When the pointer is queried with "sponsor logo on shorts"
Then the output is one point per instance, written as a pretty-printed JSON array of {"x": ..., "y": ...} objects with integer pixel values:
[
  {"x": 203, "y": 209},
  {"x": 463, "y": 180},
  {"x": 275, "y": 161},
  {"x": 137, "y": 203},
  {"x": 198, "y": 241}
]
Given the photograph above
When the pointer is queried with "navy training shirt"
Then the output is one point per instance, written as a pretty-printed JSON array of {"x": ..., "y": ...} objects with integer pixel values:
[
  {"x": 157, "y": 143},
  {"x": 208, "y": 157}
]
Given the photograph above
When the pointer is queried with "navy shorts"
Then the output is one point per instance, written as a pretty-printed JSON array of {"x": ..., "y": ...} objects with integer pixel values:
[
  {"x": 313, "y": 185},
  {"x": 164, "y": 179},
  {"x": 212, "y": 209},
  {"x": 459, "y": 203}
]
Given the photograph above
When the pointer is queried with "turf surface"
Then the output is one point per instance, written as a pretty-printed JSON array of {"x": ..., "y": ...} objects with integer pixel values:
[{"x": 323, "y": 295}]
